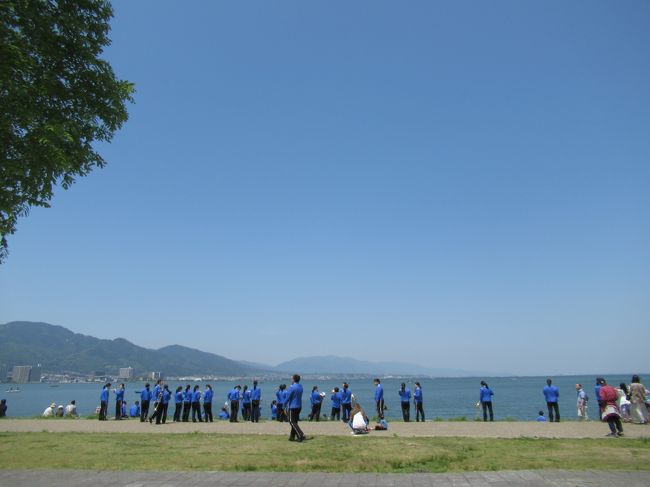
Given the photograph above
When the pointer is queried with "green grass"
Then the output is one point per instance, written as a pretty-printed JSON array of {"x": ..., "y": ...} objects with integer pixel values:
[{"x": 201, "y": 451}]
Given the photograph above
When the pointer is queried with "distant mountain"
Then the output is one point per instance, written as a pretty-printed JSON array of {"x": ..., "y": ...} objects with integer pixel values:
[
  {"x": 345, "y": 365},
  {"x": 59, "y": 349}
]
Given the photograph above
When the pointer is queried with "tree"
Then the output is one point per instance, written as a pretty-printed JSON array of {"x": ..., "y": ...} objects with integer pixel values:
[{"x": 57, "y": 97}]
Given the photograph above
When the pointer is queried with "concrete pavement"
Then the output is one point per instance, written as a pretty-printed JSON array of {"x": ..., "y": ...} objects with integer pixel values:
[{"x": 531, "y": 478}]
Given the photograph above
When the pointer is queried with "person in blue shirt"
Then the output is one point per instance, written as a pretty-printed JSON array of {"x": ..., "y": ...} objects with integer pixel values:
[
  {"x": 119, "y": 398},
  {"x": 178, "y": 404},
  {"x": 256, "y": 397},
  {"x": 157, "y": 404},
  {"x": 187, "y": 403},
  {"x": 196, "y": 404},
  {"x": 281, "y": 397},
  {"x": 601, "y": 404},
  {"x": 124, "y": 414},
  {"x": 207, "y": 403},
  {"x": 379, "y": 398},
  {"x": 405, "y": 400},
  {"x": 485, "y": 398},
  {"x": 157, "y": 389},
  {"x": 134, "y": 411},
  {"x": 274, "y": 410},
  {"x": 541, "y": 417},
  {"x": 552, "y": 394},
  {"x": 234, "y": 396},
  {"x": 145, "y": 398},
  {"x": 316, "y": 400},
  {"x": 223, "y": 414},
  {"x": 336, "y": 404},
  {"x": 417, "y": 401},
  {"x": 346, "y": 402},
  {"x": 294, "y": 404},
  {"x": 166, "y": 396},
  {"x": 103, "y": 401},
  {"x": 246, "y": 404}
]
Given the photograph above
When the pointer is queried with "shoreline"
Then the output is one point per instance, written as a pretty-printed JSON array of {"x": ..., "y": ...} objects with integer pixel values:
[{"x": 470, "y": 429}]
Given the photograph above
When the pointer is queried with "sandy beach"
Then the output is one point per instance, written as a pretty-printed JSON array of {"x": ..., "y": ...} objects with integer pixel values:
[{"x": 473, "y": 429}]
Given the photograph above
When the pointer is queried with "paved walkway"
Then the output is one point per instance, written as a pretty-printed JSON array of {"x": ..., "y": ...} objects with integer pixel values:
[
  {"x": 537, "y": 478},
  {"x": 470, "y": 429}
]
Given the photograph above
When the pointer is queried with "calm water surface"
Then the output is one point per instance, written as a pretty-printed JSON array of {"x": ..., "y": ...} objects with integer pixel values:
[{"x": 517, "y": 398}]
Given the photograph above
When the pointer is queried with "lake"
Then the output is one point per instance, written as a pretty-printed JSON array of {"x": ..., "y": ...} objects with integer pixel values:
[{"x": 518, "y": 398}]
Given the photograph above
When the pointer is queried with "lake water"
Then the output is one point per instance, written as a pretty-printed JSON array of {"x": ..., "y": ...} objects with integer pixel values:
[{"x": 517, "y": 398}]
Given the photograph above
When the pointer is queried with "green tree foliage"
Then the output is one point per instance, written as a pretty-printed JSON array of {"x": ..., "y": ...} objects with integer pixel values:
[{"x": 57, "y": 97}]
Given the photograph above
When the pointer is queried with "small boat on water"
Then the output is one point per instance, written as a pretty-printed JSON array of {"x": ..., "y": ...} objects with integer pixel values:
[{"x": 13, "y": 389}]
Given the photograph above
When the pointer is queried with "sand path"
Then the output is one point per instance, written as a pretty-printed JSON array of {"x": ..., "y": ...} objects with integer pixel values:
[{"x": 505, "y": 429}]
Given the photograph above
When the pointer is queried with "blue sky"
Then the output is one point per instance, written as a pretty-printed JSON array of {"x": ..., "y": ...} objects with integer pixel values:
[{"x": 456, "y": 184}]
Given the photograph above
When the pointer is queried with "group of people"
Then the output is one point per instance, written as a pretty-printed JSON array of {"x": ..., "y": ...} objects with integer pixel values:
[
  {"x": 629, "y": 404},
  {"x": 157, "y": 400},
  {"x": 59, "y": 411}
]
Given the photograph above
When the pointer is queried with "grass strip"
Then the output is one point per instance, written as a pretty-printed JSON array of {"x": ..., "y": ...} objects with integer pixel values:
[{"x": 272, "y": 453}]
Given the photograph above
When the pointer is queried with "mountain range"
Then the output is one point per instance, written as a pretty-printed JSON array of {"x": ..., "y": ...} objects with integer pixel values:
[{"x": 58, "y": 349}]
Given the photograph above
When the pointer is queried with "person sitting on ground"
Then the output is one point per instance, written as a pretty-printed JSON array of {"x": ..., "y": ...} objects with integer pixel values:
[
  {"x": 59, "y": 411},
  {"x": 3, "y": 408},
  {"x": 49, "y": 411},
  {"x": 223, "y": 414},
  {"x": 541, "y": 417},
  {"x": 359, "y": 421},
  {"x": 381, "y": 425},
  {"x": 71, "y": 409},
  {"x": 134, "y": 411},
  {"x": 274, "y": 410}
]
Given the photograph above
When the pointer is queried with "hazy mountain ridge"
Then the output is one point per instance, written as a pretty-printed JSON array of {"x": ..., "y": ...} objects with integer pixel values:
[
  {"x": 58, "y": 349},
  {"x": 330, "y": 364}
]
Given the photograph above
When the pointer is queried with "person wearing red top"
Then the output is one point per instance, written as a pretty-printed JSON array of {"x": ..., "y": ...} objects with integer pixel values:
[{"x": 610, "y": 411}]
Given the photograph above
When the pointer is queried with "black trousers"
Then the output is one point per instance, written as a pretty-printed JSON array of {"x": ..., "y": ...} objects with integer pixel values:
[
  {"x": 346, "y": 412},
  {"x": 296, "y": 433},
  {"x": 553, "y": 407},
  {"x": 157, "y": 412},
  {"x": 280, "y": 414},
  {"x": 103, "y": 410},
  {"x": 336, "y": 413},
  {"x": 406, "y": 411},
  {"x": 380, "y": 408},
  {"x": 615, "y": 425},
  {"x": 487, "y": 405},
  {"x": 234, "y": 410},
  {"x": 186, "y": 411},
  {"x": 144, "y": 411},
  {"x": 419, "y": 411},
  {"x": 118, "y": 409},
  {"x": 315, "y": 412},
  {"x": 207, "y": 407},
  {"x": 196, "y": 409},
  {"x": 178, "y": 411},
  {"x": 161, "y": 413},
  {"x": 255, "y": 411}
]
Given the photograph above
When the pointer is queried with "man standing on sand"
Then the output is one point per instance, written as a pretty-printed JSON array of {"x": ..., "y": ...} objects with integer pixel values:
[
  {"x": 103, "y": 401},
  {"x": 233, "y": 397},
  {"x": 417, "y": 402},
  {"x": 346, "y": 402},
  {"x": 379, "y": 399},
  {"x": 294, "y": 404},
  {"x": 145, "y": 398},
  {"x": 256, "y": 397},
  {"x": 119, "y": 399},
  {"x": 552, "y": 394},
  {"x": 581, "y": 404}
]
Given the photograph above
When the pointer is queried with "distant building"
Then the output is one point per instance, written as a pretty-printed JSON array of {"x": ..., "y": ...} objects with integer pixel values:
[
  {"x": 4, "y": 369},
  {"x": 21, "y": 374},
  {"x": 126, "y": 373},
  {"x": 155, "y": 375}
]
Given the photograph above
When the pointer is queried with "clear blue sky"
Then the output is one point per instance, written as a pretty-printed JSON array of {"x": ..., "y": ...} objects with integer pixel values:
[{"x": 457, "y": 184}]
